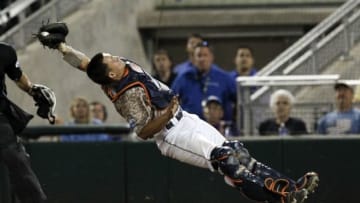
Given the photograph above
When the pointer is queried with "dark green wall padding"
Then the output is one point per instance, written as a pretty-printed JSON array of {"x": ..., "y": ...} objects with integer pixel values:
[{"x": 137, "y": 172}]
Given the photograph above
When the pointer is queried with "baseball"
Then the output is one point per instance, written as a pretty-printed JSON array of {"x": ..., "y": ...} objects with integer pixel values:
[{"x": 44, "y": 34}]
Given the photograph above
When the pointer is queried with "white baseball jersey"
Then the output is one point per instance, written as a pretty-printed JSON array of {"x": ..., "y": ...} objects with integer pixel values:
[{"x": 188, "y": 139}]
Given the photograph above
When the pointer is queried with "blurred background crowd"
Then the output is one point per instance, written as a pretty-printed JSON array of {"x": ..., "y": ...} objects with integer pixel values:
[{"x": 200, "y": 49}]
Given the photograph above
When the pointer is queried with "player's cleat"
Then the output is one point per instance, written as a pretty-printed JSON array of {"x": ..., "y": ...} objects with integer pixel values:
[
  {"x": 298, "y": 196},
  {"x": 310, "y": 181}
]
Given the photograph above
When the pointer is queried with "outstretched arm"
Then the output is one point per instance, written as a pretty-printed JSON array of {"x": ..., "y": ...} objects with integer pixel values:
[
  {"x": 74, "y": 57},
  {"x": 53, "y": 36}
]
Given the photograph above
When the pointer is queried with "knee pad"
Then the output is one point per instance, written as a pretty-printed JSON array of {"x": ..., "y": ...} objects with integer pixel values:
[
  {"x": 241, "y": 153},
  {"x": 223, "y": 159}
]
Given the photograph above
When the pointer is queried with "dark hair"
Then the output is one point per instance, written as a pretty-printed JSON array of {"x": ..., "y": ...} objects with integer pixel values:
[
  {"x": 163, "y": 52},
  {"x": 245, "y": 47},
  {"x": 204, "y": 44},
  {"x": 195, "y": 35},
  {"x": 342, "y": 85},
  {"x": 97, "y": 70},
  {"x": 102, "y": 106}
]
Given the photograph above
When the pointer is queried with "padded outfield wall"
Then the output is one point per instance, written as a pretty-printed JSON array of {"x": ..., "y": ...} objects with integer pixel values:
[{"x": 136, "y": 172}]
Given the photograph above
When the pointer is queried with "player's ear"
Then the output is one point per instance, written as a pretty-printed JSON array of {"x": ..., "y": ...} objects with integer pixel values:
[{"x": 111, "y": 75}]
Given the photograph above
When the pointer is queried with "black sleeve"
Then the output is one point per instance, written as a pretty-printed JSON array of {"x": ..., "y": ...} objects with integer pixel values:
[
  {"x": 262, "y": 128},
  {"x": 268, "y": 127},
  {"x": 11, "y": 64},
  {"x": 303, "y": 129},
  {"x": 299, "y": 127}
]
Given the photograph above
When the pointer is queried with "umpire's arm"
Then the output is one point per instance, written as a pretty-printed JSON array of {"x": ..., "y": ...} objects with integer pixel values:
[{"x": 24, "y": 83}]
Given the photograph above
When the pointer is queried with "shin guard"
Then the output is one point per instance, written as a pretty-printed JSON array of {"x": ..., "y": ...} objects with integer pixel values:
[
  {"x": 257, "y": 168},
  {"x": 240, "y": 177}
]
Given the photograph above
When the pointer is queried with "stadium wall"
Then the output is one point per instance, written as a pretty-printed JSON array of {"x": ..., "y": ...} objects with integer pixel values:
[
  {"x": 98, "y": 26},
  {"x": 136, "y": 172}
]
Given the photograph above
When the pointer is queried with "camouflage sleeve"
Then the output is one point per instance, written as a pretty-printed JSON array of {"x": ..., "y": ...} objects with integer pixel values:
[{"x": 134, "y": 107}]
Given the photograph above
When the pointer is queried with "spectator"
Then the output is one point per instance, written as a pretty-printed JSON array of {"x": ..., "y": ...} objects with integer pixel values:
[
  {"x": 214, "y": 113},
  {"x": 162, "y": 64},
  {"x": 345, "y": 119},
  {"x": 98, "y": 111},
  {"x": 192, "y": 41},
  {"x": 281, "y": 102},
  {"x": 244, "y": 62},
  {"x": 244, "y": 66},
  {"x": 80, "y": 112},
  {"x": 196, "y": 84}
]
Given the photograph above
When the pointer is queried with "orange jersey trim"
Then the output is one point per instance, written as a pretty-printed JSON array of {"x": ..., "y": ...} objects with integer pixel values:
[{"x": 114, "y": 97}]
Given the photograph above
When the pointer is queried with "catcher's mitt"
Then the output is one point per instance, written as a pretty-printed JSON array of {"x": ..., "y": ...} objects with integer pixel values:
[
  {"x": 52, "y": 34},
  {"x": 45, "y": 99}
]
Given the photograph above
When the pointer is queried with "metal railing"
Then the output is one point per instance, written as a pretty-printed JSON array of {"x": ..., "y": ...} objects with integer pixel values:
[
  {"x": 174, "y": 4},
  {"x": 21, "y": 34},
  {"x": 13, "y": 10},
  {"x": 324, "y": 44},
  {"x": 250, "y": 112}
]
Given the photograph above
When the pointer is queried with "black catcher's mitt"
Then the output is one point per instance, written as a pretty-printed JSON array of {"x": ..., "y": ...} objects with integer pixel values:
[
  {"x": 52, "y": 34},
  {"x": 45, "y": 99}
]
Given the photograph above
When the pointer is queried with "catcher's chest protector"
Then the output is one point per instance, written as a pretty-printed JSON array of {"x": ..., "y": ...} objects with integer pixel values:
[{"x": 158, "y": 93}]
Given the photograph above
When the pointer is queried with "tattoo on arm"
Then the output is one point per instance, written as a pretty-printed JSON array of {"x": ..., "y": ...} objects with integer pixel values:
[{"x": 133, "y": 107}]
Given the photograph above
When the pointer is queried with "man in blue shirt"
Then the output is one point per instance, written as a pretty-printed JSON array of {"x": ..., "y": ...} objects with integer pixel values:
[
  {"x": 244, "y": 66},
  {"x": 244, "y": 63},
  {"x": 192, "y": 41},
  {"x": 345, "y": 119},
  {"x": 202, "y": 80}
]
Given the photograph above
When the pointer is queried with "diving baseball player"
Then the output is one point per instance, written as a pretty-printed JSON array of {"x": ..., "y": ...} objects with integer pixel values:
[{"x": 153, "y": 111}]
